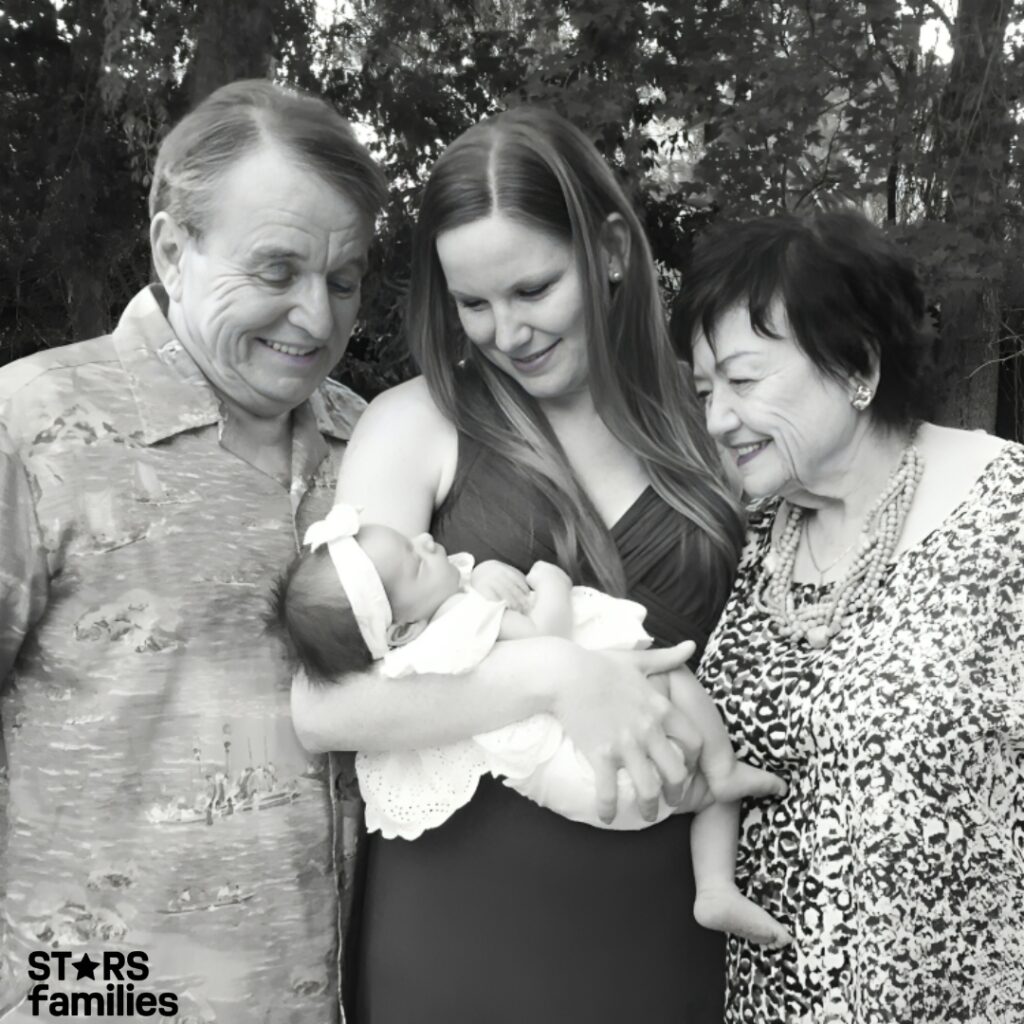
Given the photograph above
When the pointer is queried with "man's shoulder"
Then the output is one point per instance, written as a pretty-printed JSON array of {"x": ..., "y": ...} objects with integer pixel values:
[
  {"x": 39, "y": 392},
  {"x": 53, "y": 365}
]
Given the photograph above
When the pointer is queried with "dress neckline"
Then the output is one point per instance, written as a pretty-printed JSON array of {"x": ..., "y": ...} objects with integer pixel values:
[
  {"x": 969, "y": 501},
  {"x": 632, "y": 513}
]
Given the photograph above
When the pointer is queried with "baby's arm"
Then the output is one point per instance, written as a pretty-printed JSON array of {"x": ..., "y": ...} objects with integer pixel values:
[
  {"x": 498, "y": 581},
  {"x": 548, "y": 610},
  {"x": 552, "y": 600}
]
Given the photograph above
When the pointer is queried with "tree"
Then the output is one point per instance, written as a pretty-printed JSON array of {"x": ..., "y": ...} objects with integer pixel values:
[
  {"x": 708, "y": 109},
  {"x": 89, "y": 90},
  {"x": 973, "y": 141}
]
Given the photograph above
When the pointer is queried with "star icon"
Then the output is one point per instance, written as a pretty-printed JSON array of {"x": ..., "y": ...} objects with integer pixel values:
[{"x": 86, "y": 967}]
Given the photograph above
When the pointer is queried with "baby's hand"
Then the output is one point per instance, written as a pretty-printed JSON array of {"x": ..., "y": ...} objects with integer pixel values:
[
  {"x": 545, "y": 574},
  {"x": 500, "y": 582}
]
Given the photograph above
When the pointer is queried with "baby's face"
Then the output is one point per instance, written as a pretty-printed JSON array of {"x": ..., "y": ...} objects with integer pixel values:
[{"x": 417, "y": 576}]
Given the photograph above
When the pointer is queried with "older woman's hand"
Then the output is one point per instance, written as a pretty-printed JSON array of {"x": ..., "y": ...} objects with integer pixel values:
[{"x": 619, "y": 718}]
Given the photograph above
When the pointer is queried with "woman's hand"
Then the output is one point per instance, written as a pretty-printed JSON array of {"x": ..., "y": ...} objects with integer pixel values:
[{"x": 618, "y": 718}]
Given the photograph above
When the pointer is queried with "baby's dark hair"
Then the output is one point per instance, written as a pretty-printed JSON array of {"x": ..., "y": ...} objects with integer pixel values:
[{"x": 310, "y": 609}]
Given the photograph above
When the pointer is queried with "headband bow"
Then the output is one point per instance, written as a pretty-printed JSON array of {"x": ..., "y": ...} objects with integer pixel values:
[{"x": 356, "y": 573}]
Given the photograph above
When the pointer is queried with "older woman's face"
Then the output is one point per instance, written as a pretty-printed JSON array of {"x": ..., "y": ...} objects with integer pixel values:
[
  {"x": 270, "y": 292},
  {"x": 785, "y": 426}
]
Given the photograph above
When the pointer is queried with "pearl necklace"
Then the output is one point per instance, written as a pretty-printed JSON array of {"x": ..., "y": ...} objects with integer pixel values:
[
  {"x": 818, "y": 622},
  {"x": 822, "y": 572}
]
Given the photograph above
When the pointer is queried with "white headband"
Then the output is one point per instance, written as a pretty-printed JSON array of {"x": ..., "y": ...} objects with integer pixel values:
[{"x": 356, "y": 573}]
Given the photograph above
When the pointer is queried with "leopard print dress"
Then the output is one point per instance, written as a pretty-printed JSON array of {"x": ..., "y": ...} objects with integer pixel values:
[{"x": 896, "y": 858}]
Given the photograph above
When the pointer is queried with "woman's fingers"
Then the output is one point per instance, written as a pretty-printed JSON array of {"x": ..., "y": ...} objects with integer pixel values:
[
  {"x": 606, "y": 785},
  {"x": 664, "y": 659},
  {"x": 677, "y": 726},
  {"x": 618, "y": 717},
  {"x": 646, "y": 780},
  {"x": 667, "y": 757}
]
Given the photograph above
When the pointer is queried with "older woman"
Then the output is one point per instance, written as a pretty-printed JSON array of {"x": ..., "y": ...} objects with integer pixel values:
[
  {"x": 153, "y": 482},
  {"x": 872, "y": 649},
  {"x": 552, "y": 422}
]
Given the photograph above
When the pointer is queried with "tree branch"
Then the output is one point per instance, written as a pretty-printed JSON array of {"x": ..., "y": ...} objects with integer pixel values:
[{"x": 939, "y": 13}]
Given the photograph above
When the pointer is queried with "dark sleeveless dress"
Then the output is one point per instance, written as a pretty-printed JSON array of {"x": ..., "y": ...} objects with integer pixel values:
[{"x": 507, "y": 913}]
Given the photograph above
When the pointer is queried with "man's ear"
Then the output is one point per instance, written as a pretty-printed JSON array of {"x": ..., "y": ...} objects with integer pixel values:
[
  {"x": 167, "y": 242},
  {"x": 615, "y": 244},
  {"x": 401, "y": 633}
]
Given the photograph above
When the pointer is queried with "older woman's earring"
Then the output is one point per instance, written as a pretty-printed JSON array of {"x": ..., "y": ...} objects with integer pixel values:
[
  {"x": 861, "y": 397},
  {"x": 614, "y": 275}
]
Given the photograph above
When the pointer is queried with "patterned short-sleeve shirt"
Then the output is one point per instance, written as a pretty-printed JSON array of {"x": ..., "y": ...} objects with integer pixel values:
[
  {"x": 896, "y": 858},
  {"x": 156, "y": 798}
]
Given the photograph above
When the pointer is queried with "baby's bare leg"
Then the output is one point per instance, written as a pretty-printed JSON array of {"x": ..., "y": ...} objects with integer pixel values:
[
  {"x": 727, "y": 778},
  {"x": 719, "y": 904}
]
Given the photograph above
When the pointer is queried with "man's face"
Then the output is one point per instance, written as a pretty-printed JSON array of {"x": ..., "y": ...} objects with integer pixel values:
[{"x": 270, "y": 291}]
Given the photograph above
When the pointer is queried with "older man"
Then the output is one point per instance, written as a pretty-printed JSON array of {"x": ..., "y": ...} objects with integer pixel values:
[{"x": 166, "y": 843}]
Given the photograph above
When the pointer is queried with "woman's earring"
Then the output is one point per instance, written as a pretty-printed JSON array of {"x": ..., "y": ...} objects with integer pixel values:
[
  {"x": 861, "y": 397},
  {"x": 614, "y": 275}
]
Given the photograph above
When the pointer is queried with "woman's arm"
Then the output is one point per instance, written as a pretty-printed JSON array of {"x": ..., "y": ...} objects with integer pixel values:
[
  {"x": 400, "y": 461},
  {"x": 366, "y": 711},
  {"x": 604, "y": 701}
]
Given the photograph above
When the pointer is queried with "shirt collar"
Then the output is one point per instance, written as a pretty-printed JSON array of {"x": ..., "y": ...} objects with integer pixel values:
[{"x": 171, "y": 394}]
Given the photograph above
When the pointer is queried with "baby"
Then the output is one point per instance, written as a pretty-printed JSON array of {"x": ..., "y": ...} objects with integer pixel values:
[{"x": 364, "y": 592}]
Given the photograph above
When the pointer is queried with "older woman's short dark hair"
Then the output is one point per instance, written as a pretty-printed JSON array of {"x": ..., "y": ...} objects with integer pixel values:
[
  {"x": 238, "y": 118},
  {"x": 850, "y": 294}
]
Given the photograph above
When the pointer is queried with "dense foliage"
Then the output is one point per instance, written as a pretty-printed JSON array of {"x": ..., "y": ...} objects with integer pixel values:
[{"x": 710, "y": 108}]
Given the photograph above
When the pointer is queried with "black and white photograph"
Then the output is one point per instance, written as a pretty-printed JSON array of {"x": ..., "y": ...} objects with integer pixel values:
[{"x": 512, "y": 511}]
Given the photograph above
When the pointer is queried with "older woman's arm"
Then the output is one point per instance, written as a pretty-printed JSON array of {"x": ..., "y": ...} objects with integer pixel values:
[{"x": 399, "y": 465}]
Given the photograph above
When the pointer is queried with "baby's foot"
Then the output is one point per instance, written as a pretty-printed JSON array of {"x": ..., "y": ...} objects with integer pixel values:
[
  {"x": 726, "y": 909},
  {"x": 744, "y": 780}
]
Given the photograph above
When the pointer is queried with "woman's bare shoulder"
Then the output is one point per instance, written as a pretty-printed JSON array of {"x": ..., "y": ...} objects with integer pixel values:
[
  {"x": 962, "y": 455},
  {"x": 407, "y": 406},
  {"x": 954, "y": 461},
  {"x": 403, "y": 450},
  {"x": 404, "y": 418}
]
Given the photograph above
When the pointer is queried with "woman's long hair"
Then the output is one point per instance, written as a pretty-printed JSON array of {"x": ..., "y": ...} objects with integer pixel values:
[{"x": 532, "y": 166}]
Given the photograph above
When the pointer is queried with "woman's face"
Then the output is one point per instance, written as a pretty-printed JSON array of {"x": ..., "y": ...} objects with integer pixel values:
[
  {"x": 266, "y": 299},
  {"x": 520, "y": 301},
  {"x": 786, "y": 427}
]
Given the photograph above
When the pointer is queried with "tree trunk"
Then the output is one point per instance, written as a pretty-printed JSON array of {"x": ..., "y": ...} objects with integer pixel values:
[
  {"x": 233, "y": 41},
  {"x": 974, "y": 141}
]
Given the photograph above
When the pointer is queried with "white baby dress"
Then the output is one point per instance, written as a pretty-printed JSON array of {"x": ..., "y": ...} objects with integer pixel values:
[{"x": 409, "y": 791}]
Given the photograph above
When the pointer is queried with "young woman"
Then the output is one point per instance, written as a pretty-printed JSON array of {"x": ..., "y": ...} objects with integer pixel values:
[{"x": 553, "y": 422}]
